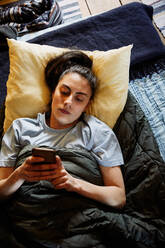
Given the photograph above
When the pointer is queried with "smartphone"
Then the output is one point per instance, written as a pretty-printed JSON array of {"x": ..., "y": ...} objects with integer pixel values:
[{"x": 48, "y": 154}]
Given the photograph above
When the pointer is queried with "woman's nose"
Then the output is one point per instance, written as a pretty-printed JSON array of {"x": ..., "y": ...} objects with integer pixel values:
[{"x": 68, "y": 100}]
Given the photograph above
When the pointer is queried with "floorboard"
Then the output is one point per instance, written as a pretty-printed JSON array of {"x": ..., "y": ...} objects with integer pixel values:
[
  {"x": 84, "y": 8},
  {"x": 128, "y": 1},
  {"x": 97, "y": 7}
]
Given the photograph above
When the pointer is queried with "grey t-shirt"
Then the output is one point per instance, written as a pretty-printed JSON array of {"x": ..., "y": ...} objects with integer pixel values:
[{"x": 89, "y": 133}]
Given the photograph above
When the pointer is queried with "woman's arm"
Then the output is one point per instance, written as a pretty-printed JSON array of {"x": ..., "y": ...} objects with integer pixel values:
[
  {"x": 11, "y": 180},
  {"x": 112, "y": 193}
]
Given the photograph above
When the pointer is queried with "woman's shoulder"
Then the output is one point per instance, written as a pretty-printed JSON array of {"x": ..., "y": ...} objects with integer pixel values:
[
  {"x": 27, "y": 121},
  {"x": 96, "y": 123}
]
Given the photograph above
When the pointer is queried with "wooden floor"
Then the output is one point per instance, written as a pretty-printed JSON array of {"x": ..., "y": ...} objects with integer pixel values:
[{"x": 92, "y": 7}]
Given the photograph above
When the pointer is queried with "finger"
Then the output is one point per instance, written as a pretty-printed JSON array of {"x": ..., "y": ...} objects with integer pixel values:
[
  {"x": 38, "y": 175},
  {"x": 34, "y": 159},
  {"x": 42, "y": 167},
  {"x": 59, "y": 161},
  {"x": 59, "y": 181},
  {"x": 60, "y": 186}
]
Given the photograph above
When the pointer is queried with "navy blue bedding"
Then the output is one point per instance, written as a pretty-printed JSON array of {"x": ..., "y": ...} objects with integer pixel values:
[{"x": 129, "y": 24}]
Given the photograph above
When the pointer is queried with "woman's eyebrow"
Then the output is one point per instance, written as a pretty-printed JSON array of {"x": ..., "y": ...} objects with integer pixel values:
[
  {"x": 82, "y": 93},
  {"x": 78, "y": 93}
]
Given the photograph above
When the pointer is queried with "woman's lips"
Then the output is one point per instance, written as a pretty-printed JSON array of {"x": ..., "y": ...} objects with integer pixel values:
[{"x": 63, "y": 111}]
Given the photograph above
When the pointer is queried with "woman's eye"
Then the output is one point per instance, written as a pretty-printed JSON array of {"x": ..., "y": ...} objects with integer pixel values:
[
  {"x": 65, "y": 93},
  {"x": 79, "y": 99}
]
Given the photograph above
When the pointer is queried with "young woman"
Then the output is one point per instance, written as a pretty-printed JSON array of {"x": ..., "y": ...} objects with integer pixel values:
[{"x": 72, "y": 84}]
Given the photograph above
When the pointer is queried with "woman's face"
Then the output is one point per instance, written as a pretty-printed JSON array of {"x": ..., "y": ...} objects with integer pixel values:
[{"x": 69, "y": 100}]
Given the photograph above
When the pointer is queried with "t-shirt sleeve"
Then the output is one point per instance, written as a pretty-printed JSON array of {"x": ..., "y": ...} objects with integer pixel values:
[
  {"x": 106, "y": 148},
  {"x": 10, "y": 146}
]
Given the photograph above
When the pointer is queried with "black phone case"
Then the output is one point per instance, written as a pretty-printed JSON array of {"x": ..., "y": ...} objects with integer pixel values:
[{"x": 48, "y": 154}]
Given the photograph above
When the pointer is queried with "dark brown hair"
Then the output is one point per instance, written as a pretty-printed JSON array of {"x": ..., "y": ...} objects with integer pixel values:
[{"x": 72, "y": 61}]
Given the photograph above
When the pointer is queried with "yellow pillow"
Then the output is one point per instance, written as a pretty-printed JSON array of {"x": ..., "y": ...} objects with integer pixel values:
[{"x": 28, "y": 94}]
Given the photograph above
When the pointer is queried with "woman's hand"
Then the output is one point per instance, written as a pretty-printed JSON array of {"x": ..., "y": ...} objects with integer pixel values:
[
  {"x": 62, "y": 179},
  {"x": 34, "y": 169}
]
